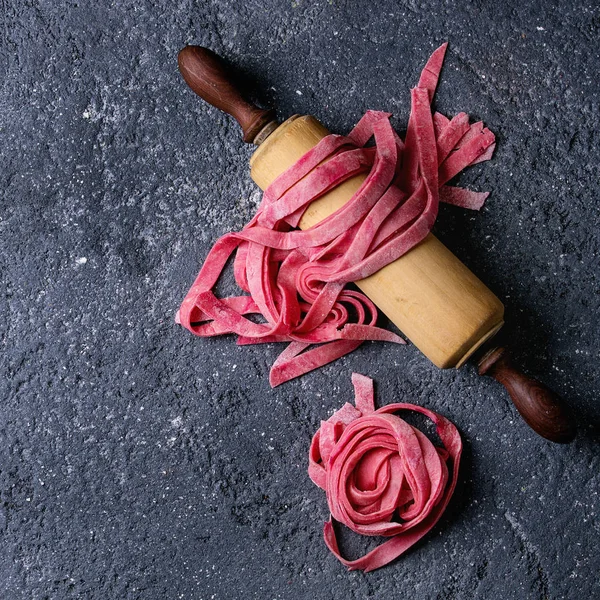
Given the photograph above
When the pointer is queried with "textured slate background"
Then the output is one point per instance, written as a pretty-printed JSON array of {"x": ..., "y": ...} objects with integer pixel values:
[{"x": 138, "y": 462}]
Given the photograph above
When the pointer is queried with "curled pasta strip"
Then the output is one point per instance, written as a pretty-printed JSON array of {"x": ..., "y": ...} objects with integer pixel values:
[{"x": 382, "y": 476}]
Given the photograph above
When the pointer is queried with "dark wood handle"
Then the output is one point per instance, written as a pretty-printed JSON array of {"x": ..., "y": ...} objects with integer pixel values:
[
  {"x": 542, "y": 409},
  {"x": 209, "y": 77}
]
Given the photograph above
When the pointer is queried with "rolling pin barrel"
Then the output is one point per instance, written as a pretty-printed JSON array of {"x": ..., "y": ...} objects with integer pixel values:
[{"x": 428, "y": 293}]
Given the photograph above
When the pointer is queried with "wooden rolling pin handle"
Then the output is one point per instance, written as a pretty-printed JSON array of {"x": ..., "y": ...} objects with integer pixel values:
[
  {"x": 208, "y": 76},
  {"x": 542, "y": 409}
]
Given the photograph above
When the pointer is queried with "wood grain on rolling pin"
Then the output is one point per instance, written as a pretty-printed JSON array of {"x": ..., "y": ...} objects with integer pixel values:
[{"x": 428, "y": 293}]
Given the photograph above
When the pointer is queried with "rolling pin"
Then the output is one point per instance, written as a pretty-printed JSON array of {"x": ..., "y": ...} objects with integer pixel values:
[{"x": 435, "y": 300}]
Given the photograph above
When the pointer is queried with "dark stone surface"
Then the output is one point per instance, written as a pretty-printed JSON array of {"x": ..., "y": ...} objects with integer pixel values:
[{"x": 139, "y": 462}]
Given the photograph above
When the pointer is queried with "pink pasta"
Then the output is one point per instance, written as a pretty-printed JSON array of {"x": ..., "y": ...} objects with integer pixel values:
[
  {"x": 382, "y": 476},
  {"x": 295, "y": 280}
]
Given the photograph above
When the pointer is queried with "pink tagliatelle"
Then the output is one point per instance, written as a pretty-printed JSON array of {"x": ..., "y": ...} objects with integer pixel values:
[
  {"x": 296, "y": 279},
  {"x": 382, "y": 476}
]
